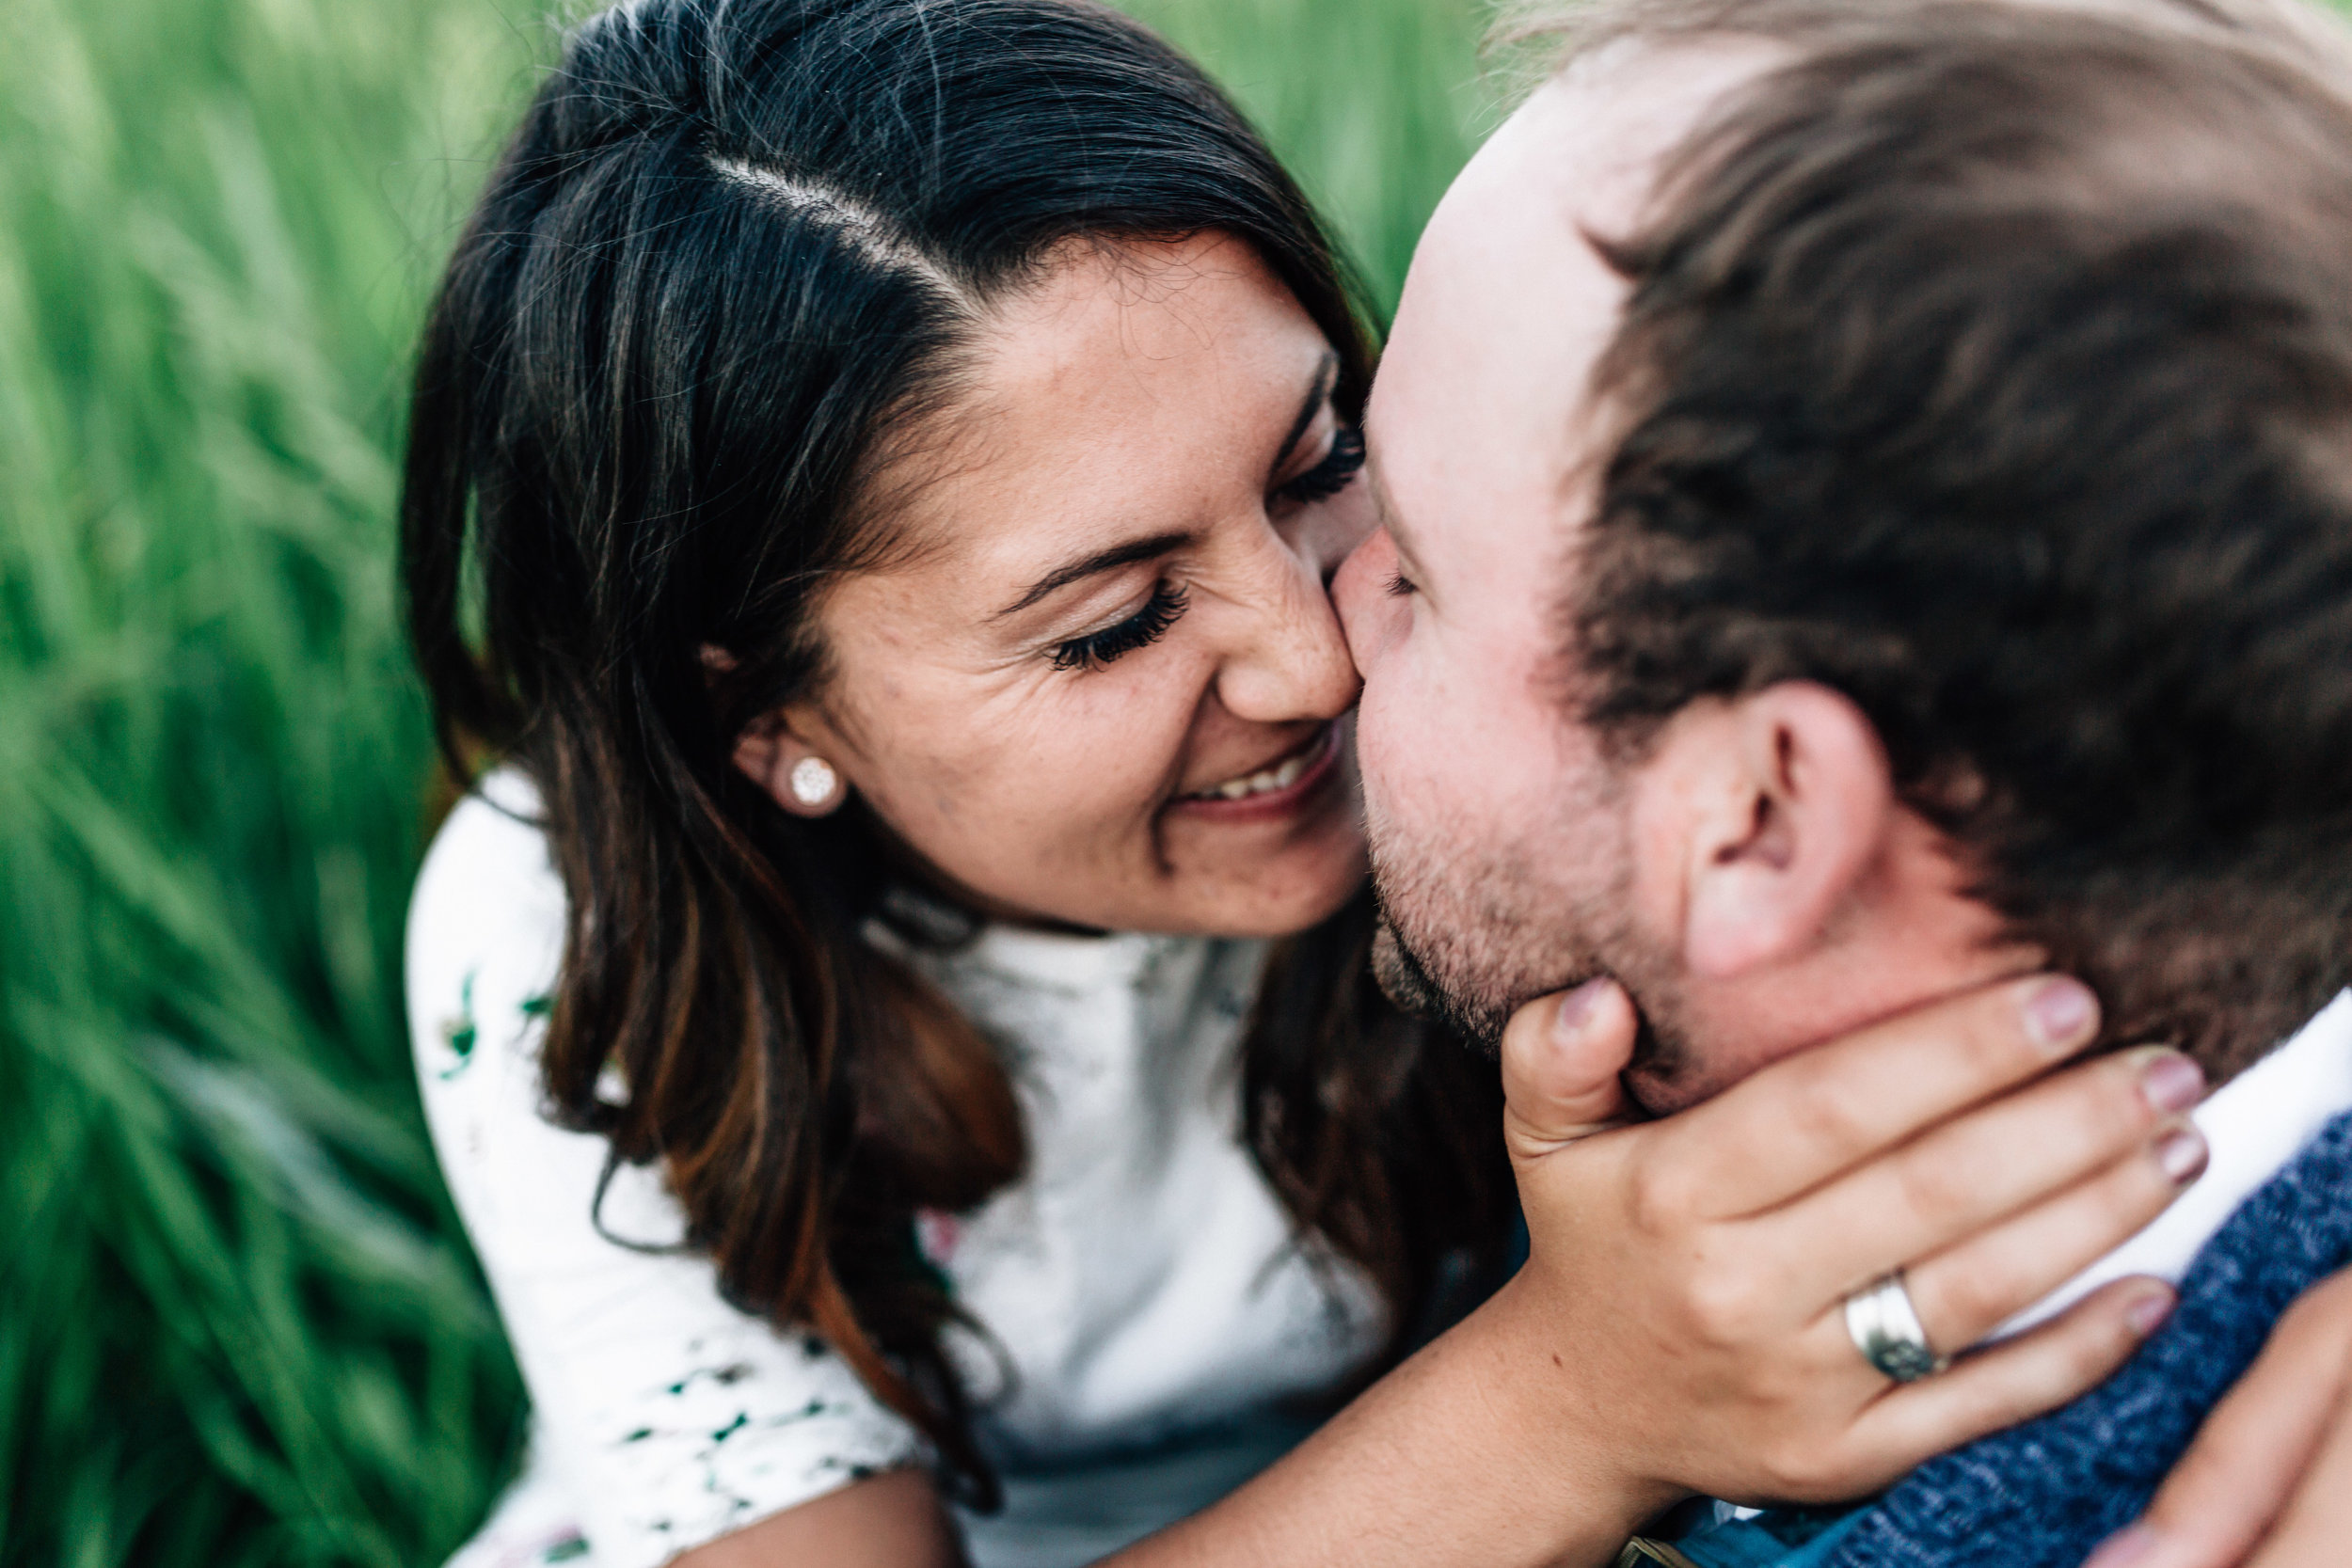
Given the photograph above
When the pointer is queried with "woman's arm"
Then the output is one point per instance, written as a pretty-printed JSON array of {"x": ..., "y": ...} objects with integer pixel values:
[
  {"x": 1677, "y": 1328},
  {"x": 892, "y": 1521}
]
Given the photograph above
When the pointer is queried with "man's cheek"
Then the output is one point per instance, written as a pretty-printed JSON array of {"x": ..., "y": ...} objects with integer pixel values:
[{"x": 1378, "y": 751}]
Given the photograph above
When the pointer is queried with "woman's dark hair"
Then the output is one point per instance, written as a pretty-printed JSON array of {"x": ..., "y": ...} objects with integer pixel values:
[{"x": 735, "y": 247}]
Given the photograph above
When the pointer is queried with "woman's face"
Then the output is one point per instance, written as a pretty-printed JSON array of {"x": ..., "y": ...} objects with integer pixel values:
[{"x": 1105, "y": 686}]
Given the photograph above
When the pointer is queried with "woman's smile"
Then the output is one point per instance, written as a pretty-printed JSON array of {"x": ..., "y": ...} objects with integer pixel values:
[{"x": 1283, "y": 787}]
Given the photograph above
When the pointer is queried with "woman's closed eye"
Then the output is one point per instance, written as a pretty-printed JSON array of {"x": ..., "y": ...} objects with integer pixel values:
[
  {"x": 1338, "y": 470},
  {"x": 1335, "y": 473},
  {"x": 1141, "y": 629}
]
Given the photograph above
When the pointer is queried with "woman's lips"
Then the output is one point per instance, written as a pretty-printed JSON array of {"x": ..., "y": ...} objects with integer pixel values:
[{"x": 1274, "y": 790}]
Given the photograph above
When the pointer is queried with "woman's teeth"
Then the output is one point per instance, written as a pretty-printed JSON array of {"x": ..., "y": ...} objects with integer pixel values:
[{"x": 1264, "y": 782}]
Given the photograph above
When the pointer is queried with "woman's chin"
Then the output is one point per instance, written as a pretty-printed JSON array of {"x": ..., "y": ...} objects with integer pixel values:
[{"x": 1280, "y": 894}]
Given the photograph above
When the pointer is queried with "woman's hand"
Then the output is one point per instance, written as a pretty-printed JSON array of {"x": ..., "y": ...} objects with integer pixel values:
[
  {"x": 1678, "y": 1326},
  {"x": 1684, "y": 1298},
  {"x": 2268, "y": 1484}
]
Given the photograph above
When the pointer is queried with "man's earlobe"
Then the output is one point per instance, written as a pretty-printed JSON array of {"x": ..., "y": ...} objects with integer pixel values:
[{"x": 1800, "y": 813}]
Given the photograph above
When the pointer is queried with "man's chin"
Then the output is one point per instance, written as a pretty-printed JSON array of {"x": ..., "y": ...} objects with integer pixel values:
[
  {"x": 1657, "y": 1096},
  {"x": 1402, "y": 978},
  {"x": 1406, "y": 981},
  {"x": 1664, "y": 1074}
]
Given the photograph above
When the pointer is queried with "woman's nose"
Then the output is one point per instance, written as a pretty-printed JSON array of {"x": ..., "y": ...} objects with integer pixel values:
[{"x": 1292, "y": 663}]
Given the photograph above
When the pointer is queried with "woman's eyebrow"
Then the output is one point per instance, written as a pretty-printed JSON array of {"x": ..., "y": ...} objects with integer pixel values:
[
  {"x": 1101, "y": 560},
  {"x": 1318, "y": 392}
]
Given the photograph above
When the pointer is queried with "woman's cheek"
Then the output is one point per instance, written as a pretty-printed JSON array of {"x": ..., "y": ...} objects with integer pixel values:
[{"x": 1094, "y": 769}]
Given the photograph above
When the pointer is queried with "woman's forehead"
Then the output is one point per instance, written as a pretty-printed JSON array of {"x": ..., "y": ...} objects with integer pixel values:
[
  {"x": 1136, "y": 322},
  {"x": 1135, "y": 389}
]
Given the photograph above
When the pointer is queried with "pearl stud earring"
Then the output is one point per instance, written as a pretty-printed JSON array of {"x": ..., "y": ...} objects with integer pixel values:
[{"x": 814, "y": 781}]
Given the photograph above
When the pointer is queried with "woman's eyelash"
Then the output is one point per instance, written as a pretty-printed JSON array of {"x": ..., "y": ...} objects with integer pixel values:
[
  {"x": 1400, "y": 586},
  {"x": 1141, "y": 629},
  {"x": 1335, "y": 473}
]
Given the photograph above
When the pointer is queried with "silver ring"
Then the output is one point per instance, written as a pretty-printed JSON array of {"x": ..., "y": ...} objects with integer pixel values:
[{"x": 1886, "y": 1330}]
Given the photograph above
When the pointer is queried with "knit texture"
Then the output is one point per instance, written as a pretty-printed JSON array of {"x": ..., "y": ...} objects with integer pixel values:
[{"x": 2045, "y": 1493}]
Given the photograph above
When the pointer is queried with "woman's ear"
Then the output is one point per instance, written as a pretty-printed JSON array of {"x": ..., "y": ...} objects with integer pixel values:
[
  {"x": 1778, "y": 853},
  {"x": 774, "y": 755}
]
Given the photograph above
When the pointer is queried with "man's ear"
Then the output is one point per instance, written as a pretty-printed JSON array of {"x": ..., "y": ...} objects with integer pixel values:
[
  {"x": 778, "y": 755},
  {"x": 1802, "y": 815}
]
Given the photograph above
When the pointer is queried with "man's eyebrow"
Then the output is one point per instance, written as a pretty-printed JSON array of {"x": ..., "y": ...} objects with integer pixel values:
[
  {"x": 1101, "y": 560},
  {"x": 1318, "y": 393}
]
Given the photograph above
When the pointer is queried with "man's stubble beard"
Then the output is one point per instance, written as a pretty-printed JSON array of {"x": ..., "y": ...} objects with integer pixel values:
[
  {"x": 1406, "y": 980},
  {"x": 1470, "y": 932},
  {"x": 1655, "y": 1077}
]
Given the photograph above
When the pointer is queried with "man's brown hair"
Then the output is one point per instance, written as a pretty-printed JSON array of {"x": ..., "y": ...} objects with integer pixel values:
[{"x": 1992, "y": 364}]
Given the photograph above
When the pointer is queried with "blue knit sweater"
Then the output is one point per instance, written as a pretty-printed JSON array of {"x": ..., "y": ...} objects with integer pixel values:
[{"x": 2045, "y": 1493}]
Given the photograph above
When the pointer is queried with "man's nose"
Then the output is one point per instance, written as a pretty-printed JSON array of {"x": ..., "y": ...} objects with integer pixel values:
[{"x": 1358, "y": 590}]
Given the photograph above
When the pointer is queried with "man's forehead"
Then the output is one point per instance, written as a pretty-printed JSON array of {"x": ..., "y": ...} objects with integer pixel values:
[
  {"x": 1477, "y": 416},
  {"x": 1577, "y": 161},
  {"x": 1588, "y": 143}
]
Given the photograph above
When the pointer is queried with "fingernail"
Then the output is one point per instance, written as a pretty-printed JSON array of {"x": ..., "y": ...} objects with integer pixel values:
[
  {"x": 2060, "y": 1013},
  {"x": 2146, "y": 1315},
  {"x": 1576, "y": 1009},
  {"x": 2124, "y": 1548},
  {"x": 2170, "y": 1081},
  {"x": 2181, "y": 1154}
]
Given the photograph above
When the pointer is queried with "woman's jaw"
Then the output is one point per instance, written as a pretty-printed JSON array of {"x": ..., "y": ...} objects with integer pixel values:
[{"x": 1272, "y": 862}]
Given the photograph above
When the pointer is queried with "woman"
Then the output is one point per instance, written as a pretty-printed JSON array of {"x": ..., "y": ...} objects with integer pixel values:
[{"x": 895, "y": 1017}]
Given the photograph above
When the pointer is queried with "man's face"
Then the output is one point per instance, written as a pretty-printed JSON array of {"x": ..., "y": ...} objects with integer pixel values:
[
  {"x": 1752, "y": 881},
  {"x": 1500, "y": 834}
]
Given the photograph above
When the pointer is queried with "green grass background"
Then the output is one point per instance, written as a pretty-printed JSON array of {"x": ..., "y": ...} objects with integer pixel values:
[{"x": 238, "y": 1324}]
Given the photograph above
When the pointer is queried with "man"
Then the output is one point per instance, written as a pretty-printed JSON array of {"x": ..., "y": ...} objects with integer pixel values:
[{"x": 1869, "y": 502}]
